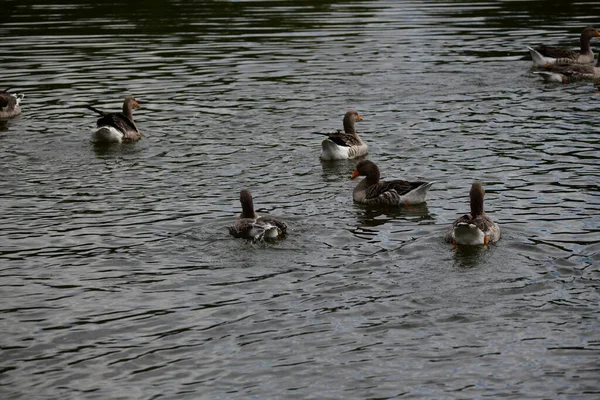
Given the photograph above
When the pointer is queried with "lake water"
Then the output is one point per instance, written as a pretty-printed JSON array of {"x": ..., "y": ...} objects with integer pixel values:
[{"x": 119, "y": 279}]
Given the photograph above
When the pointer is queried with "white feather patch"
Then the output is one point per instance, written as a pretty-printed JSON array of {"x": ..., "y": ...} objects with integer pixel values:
[{"x": 107, "y": 134}]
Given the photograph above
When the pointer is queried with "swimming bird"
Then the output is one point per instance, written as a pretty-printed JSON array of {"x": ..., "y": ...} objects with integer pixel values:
[
  {"x": 250, "y": 225},
  {"x": 393, "y": 193},
  {"x": 9, "y": 104},
  {"x": 344, "y": 145},
  {"x": 117, "y": 127},
  {"x": 547, "y": 55},
  {"x": 474, "y": 228},
  {"x": 571, "y": 73}
]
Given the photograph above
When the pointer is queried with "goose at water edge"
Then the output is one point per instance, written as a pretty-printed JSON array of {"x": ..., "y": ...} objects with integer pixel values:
[
  {"x": 344, "y": 145},
  {"x": 392, "y": 193},
  {"x": 475, "y": 228},
  {"x": 9, "y": 104},
  {"x": 250, "y": 225},
  {"x": 547, "y": 55},
  {"x": 117, "y": 127}
]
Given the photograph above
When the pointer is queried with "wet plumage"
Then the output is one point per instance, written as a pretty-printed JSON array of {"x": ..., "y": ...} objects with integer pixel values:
[{"x": 250, "y": 225}]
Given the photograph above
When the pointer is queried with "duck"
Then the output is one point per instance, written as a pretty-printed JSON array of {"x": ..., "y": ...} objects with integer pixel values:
[
  {"x": 372, "y": 191},
  {"x": 250, "y": 225},
  {"x": 117, "y": 127},
  {"x": 344, "y": 145},
  {"x": 547, "y": 55},
  {"x": 475, "y": 228},
  {"x": 9, "y": 104},
  {"x": 571, "y": 73}
]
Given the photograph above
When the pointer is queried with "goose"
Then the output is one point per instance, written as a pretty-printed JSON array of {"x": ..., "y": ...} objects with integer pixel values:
[
  {"x": 117, "y": 127},
  {"x": 344, "y": 145},
  {"x": 393, "y": 193},
  {"x": 571, "y": 73},
  {"x": 250, "y": 225},
  {"x": 9, "y": 104},
  {"x": 474, "y": 228},
  {"x": 546, "y": 55}
]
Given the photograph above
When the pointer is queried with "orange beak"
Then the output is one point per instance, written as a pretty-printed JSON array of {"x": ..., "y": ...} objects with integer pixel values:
[
  {"x": 358, "y": 118},
  {"x": 355, "y": 174},
  {"x": 597, "y": 33},
  {"x": 136, "y": 104}
]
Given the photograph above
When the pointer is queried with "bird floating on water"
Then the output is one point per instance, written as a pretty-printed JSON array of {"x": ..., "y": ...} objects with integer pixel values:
[
  {"x": 344, "y": 145},
  {"x": 117, "y": 127},
  {"x": 250, "y": 225},
  {"x": 392, "y": 193},
  {"x": 476, "y": 227}
]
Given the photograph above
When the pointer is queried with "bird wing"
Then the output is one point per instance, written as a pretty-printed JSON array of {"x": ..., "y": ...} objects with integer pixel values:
[
  {"x": 242, "y": 227},
  {"x": 343, "y": 139},
  {"x": 465, "y": 219},
  {"x": 272, "y": 221},
  {"x": 572, "y": 69},
  {"x": 557, "y": 52},
  {"x": 118, "y": 121},
  {"x": 399, "y": 186}
]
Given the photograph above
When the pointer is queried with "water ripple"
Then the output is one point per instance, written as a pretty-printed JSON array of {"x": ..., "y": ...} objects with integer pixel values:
[{"x": 120, "y": 279}]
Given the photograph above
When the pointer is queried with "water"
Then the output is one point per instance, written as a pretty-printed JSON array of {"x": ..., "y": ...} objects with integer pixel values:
[{"x": 118, "y": 276}]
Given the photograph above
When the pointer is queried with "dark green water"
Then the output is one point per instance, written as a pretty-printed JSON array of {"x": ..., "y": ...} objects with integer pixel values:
[{"x": 118, "y": 277}]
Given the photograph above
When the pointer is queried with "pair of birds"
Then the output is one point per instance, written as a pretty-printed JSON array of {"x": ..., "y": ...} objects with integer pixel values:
[
  {"x": 470, "y": 229},
  {"x": 566, "y": 66},
  {"x": 111, "y": 127}
]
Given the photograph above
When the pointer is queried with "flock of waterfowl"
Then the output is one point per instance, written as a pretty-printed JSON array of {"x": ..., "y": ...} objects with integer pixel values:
[{"x": 475, "y": 228}]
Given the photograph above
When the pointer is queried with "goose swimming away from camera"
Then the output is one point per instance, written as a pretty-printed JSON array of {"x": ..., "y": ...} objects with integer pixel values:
[
  {"x": 393, "y": 193},
  {"x": 117, "y": 127},
  {"x": 9, "y": 104},
  {"x": 474, "y": 228},
  {"x": 344, "y": 145},
  {"x": 250, "y": 225},
  {"x": 547, "y": 55}
]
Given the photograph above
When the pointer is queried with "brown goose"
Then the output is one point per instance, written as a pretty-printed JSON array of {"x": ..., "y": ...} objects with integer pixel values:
[
  {"x": 9, "y": 104},
  {"x": 117, "y": 127},
  {"x": 393, "y": 193},
  {"x": 571, "y": 73},
  {"x": 250, "y": 225},
  {"x": 474, "y": 228},
  {"x": 344, "y": 145},
  {"x": 547, "y": 55}
]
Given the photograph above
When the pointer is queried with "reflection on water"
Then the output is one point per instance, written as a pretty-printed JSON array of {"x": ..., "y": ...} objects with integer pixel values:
[
  {"x": 470, "y": 256},
  {"x": 374, "y": 216},
  {"x": 119, "y": 275}
]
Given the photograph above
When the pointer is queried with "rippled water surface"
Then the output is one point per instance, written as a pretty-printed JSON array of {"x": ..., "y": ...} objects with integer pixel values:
[{"x": 119, "y": 279}]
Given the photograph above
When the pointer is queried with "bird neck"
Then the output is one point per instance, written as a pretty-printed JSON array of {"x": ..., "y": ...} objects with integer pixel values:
[
  {"x": 127, "y": 111},
  {"x": 248, "y": 210},
  {"x": 584, "y": 43},
  {"x": 372, "y": 177},
  {"x": 476, "y": 205},
  {"x": 349, "y": 126}
]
